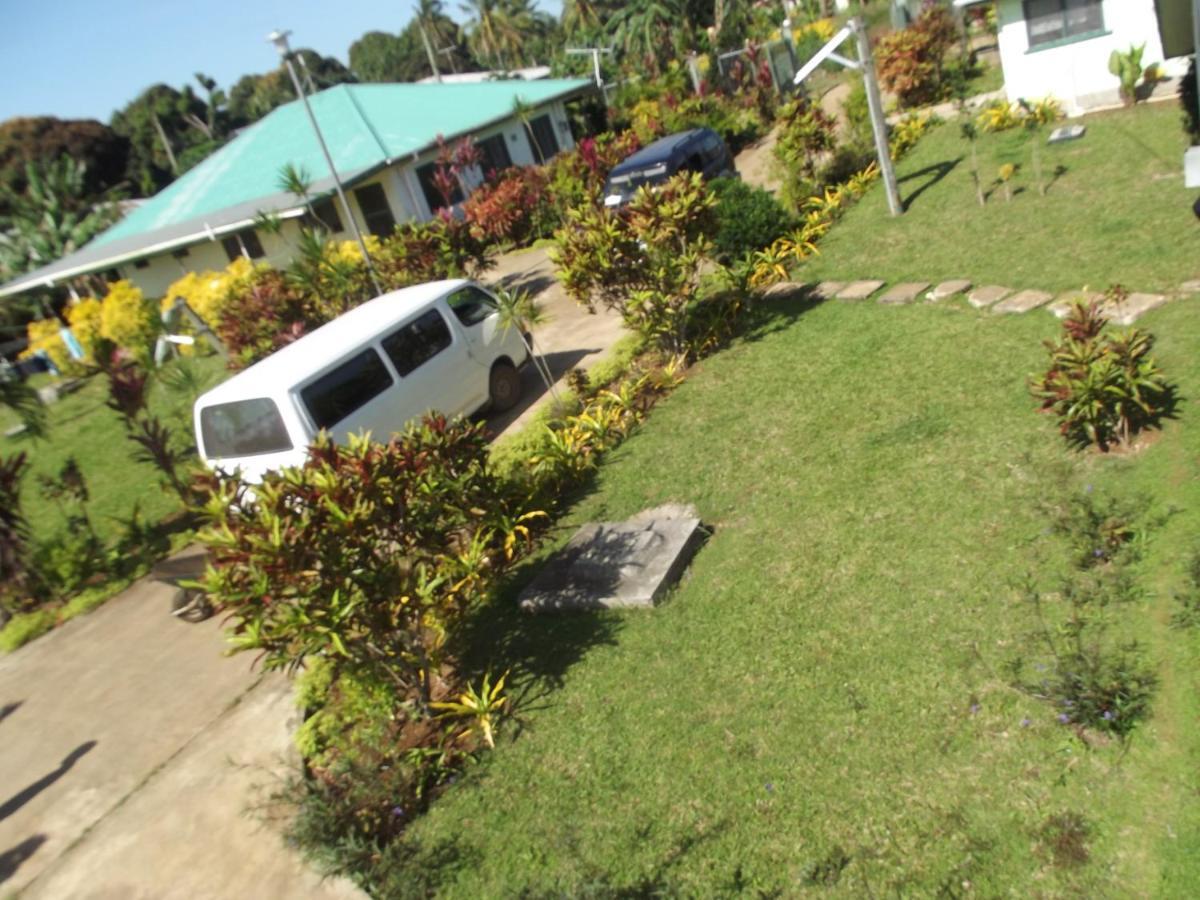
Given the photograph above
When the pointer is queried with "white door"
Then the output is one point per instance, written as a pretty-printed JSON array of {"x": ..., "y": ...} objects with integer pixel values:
[{"x": 436, "y": 370}]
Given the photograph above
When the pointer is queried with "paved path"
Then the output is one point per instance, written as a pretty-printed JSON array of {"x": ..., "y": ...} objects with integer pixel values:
[{"x": 129, "y": 746}]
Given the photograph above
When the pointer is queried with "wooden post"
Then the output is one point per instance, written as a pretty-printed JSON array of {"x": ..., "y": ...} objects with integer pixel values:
[{"x": 878, "y": 122}]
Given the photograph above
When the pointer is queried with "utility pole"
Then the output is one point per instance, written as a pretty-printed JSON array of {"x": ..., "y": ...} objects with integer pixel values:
[
  {"x": 437, "y": 75},
  {"x": 866, "y": 64},
  {"x": 878, "y": 122},
  {"x": 594, "y": 52},
  {"x": 280, "y": 40},
  {"x": 448, "y": 52}
]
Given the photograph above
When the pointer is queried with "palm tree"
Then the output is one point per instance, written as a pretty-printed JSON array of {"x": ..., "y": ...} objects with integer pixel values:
[
  {"x": 52, "y": 217},
  {"x": 645, "y": 29},
  {"x": 581, "y": 17},
  {"x": 497, "y": 30},
  {"x": 520, "y": 311}
]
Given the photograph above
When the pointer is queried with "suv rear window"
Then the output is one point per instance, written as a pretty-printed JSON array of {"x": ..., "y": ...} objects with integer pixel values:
[
  {"x": 243, "y": 428},
  {"x": 350, "y": 386}
]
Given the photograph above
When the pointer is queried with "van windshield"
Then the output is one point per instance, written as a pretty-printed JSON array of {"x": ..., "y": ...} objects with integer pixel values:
[{"x": 243, "y": 428}]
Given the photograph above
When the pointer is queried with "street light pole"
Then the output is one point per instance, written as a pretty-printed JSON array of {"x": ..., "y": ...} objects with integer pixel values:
[{"x": 280, "y": 40}]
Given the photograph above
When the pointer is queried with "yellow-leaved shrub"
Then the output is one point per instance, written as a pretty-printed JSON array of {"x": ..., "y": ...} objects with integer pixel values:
[
  {"x": 128, "y": 319},
  {"x": 84, "y": 319},
  {"x": 208, "y": 292}
]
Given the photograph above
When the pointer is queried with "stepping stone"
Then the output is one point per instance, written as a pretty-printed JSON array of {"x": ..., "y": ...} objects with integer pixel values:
[
  {"x": 785, "y": 289},
  {"x": 947, "y": 289},
  {"x": 827, "y": 290},
  {"x": 903, "y": 293},
  {"x": 986, "y": 296},
  {"x": 1063, "y": 304},
  {"x": 1190, "y": 287},
  {"x": 1127, "y": 311},
  {"x": 612, "y": 565},
  {"x": 859, "y": 290},
  {"x": 1023, "y": 302}
]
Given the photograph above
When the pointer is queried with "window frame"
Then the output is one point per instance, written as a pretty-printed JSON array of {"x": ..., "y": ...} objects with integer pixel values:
[
  {"x": 487, "y": 161},
  {"x": 433, "y": 199},
  {"x": 547, "y": 120},
  {"x": 1064, "y": 36},
  {"x": 376, "y": 215}
]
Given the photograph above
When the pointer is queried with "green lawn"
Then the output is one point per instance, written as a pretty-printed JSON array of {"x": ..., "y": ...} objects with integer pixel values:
[
  {"x": 80, "y": 425},
  {"x": 1118, "y": 212},
  {"x": 797, "y": 718}
]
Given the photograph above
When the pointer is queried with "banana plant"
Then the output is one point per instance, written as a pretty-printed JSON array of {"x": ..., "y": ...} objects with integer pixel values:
[{"x": 1127, "y": 67}]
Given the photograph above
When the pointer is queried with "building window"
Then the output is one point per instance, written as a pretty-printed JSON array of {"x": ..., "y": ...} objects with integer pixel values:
[
  {"x": 181, "y": 253},
  {"x": 326, "y": 215},
  {"x": 375, "y": 210},
  {"x": 142, "y": 264},
  {"x": 495, "y": 154},
  {"x": 543, "y": 136},
  {"x": 432, "y": 195},
  {"x": 246, "y": 241},
  {"x": 1052, "y": 21}
]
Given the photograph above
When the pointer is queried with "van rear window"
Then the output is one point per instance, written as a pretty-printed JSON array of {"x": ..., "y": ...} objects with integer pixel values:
[{"x": 243, "y": 428}]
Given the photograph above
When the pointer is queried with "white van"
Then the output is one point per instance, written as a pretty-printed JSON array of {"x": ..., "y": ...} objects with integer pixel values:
[{"x": 431, "y": 347}]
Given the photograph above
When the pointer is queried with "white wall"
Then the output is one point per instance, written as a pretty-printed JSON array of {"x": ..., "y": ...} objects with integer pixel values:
[{"x": 1076, "y": 73}]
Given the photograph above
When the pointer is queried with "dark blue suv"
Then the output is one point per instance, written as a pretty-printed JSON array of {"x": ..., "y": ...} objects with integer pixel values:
[{"x": 699, "y": 150}]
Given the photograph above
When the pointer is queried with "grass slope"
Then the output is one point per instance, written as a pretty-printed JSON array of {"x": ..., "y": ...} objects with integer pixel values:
[
  {"x": 1118, "y": 212},
  {"x": 799, "y": 714}
]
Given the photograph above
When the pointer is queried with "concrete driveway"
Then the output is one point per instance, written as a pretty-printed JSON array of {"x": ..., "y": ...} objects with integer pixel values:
[{"x": 138, "y": 760}]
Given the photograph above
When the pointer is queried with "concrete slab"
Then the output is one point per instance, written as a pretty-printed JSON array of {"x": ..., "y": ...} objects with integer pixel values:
[
  {"x": 1063, "y": 304},
  {"x": 1133, "y": 307},
  {"x": 1023, "y": 302},
  {"x": 1190, "y": 287},
  {"x": 947, "y": 289},
  {"x": 827, "y": 290},
  {"x": 859, "y": 290},
  {"x": 899, "y": 294},
  {"x": 613, "y": 565},
  {"x": 786, "y": 289},
  {"x": 983, "y": 297}
]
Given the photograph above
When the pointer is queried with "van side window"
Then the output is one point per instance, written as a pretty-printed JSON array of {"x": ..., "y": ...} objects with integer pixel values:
[
  {"x": 417, "y": 342},
  {"x": 471, "y": 305},
  {"x": 350, "y": 386}
]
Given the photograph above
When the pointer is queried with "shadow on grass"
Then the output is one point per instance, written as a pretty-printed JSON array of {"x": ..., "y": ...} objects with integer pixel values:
[
  {"x": 778, "y": 310},
  {"x": 932, "y": 175}
]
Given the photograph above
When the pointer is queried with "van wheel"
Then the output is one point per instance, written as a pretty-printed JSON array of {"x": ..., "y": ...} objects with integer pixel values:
[{"x": 504, "y": 387}]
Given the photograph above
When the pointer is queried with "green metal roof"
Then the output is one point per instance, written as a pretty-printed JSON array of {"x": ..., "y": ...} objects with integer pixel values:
[{"x": 365, "y": 125}]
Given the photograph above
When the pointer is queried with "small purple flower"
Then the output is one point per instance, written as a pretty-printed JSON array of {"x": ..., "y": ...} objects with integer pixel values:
[
  {"x": 397, "y": 812},
  {"x": 1108, "y": 715},
  {"x": 1026, "y": 722},
  {"x": 974, "y": 708},
  {"x": 1087, "y": 488},
  {"x": 1063, "y": 718},
  {"x": 1097, "y": 553},
  {"x": 770, "y": 787},
  {"x": 1041, "y": 667}
]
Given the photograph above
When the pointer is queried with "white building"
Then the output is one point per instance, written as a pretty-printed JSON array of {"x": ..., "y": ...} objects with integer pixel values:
[{"x": 384, "y": 140}]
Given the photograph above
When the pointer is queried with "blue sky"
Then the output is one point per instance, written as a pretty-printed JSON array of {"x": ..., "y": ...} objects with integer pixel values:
[{"x": 83, "y": 59}]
